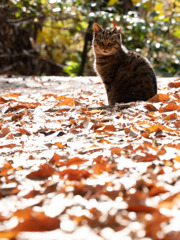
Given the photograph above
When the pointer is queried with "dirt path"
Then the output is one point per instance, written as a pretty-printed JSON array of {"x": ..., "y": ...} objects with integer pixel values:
[{"x": 73, "y": 173}]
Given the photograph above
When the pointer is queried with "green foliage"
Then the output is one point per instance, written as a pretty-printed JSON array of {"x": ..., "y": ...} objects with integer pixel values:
[
  {"x": 153, "y": 38},
  {"x": 151, "y": 28}
]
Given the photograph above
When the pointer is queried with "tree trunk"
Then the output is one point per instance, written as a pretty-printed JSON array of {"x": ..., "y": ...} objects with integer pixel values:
[{"x": 88, "y": 38}]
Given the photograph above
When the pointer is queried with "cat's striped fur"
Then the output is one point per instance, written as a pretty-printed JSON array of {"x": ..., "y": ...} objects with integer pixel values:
[{"x": 127, "y": 75}]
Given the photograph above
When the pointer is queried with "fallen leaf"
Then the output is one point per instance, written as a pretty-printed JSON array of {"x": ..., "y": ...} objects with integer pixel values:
[
  {"x": 56, "y": 157},
  {"x": 37, "y": 222},
  {"x": 43, "y": 172},
  {"x": 4, "y": 131},
  {"x": 68, "y": 102},
  {"x": 75, "y": 161},
  {"x": 172, "y": 116},
  {"x": 23, "y": 131},
  {"x": 11, "y": 145},
  {"x": 2, "y": 100},
  {"x": 116, "y": 151},
  {"x": 102, "y": 140},
  {"x": 140, "y": 208},
  {"x": 159, "y": 98},
  {"x": 170, "y": 201},
  {"x": 102, "y": 165},
  {"x": 177, "y": 158},
  {"x": 59, "y": 145},
  {"x": 12, "y": 95},
  {"x": 155, "y": 190},
  {"x": 147, "y": 158},
  {"x": 61, "y": 97},
  {"x": 158, "y": 128},
  {"x": 109, "y": 128},
  {"x": 174, "y": 84},
  {"x": 150, "y": 107},
  {"x": 169, "y": 107},
  {"x": 74, "y": 174}
]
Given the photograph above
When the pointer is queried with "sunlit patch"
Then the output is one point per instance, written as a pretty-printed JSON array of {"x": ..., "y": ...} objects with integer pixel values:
[{"x": 68, "y": 171}]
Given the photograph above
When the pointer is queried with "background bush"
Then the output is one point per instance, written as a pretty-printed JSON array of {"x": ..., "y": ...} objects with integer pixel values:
[{"x": 39, "y": 37}]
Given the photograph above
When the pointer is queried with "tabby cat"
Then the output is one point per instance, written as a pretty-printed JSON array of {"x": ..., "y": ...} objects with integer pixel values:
[{"x": 127, "y": 75}]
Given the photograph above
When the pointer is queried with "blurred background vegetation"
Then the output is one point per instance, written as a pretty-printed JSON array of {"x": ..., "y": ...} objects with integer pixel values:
[{"x": 53, "y": 37}]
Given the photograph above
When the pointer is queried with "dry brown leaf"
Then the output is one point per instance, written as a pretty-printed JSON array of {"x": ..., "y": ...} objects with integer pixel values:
[
  {"x": 68, "y": 102},
  {"x": 159, "y": 128},
  {"x": 102, "y": 165},
  {"x": 12, "y": 95},
  {"x": 170, "y": 202},
  {"x": 43, "y": 172},
  {"x": 59, "y": 145},
  {"x": 37, "y": 222},
  {"x": 24, "y": 105},
  {"x": 150, "y": 107},
  {"x": 147, "y": 158},
  {"x": 159, "y": 98},
  {"x": 177, "y": 158},
  {"x": 140, "y": 208},
  {"x": 23, "y": 131},
  {"x": 102, "y": 140},
  {"x": 2, "y": 100},
  {"x": 155, "y": 190},
  {"x": 74, "y": 174},
  {"x": 174, "y": 84},
  {"x": 169, "y": 107},
  {"x": 56, "y": 157},
  {"x": 61, "y": 97},
  {"x": 154, "y": 226},
  {"x": 75, "y": 161},
  {"x": 172, "y": 116},
  {"x": 116, "y": 151},
  {"x": 11, "y": 145},
  {"x": 48, "y": 95},
  {"x": 4, "y": 131},
  {"x": 109, "y": 128}
]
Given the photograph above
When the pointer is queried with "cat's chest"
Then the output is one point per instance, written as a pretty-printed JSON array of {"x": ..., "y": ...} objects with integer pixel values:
[{"x": 106, "y": 68}]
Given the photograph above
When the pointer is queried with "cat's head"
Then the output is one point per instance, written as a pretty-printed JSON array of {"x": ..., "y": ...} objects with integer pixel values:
[{"x": 106, "y": 42}]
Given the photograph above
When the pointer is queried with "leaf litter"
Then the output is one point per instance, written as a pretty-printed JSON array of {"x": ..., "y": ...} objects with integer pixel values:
[{"x": 71, "y": 170}]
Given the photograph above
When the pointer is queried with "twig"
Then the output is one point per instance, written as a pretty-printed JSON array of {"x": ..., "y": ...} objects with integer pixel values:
[{"x": 101, "y": 108}]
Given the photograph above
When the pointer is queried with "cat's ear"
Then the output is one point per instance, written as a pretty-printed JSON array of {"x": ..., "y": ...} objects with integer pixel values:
[
  {"x": 116, "y": 30},
  {"x": 97, "y": 28}
]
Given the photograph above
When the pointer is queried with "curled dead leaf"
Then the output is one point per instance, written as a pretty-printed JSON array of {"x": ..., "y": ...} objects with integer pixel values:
[{"x": 150, "y": 107}]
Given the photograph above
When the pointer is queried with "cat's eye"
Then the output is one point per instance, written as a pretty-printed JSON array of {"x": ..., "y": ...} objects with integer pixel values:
[
  {"x": 109, "y": 44},
  {"x": 102, "y": 44}
]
